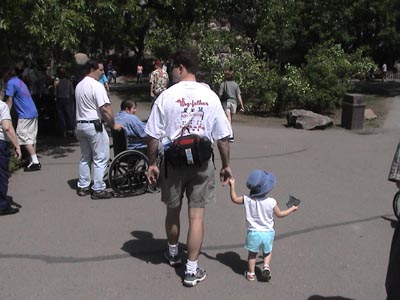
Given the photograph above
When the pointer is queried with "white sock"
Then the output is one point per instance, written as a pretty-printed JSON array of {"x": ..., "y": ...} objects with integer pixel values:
[
  {"x": 34, "y": 159},
  {"x": 173, "y": 249},
  {"x": 191, "y": 266}
]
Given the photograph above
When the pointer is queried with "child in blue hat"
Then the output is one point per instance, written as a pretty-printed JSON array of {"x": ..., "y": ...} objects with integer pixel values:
[{"x": 259, "y": 219}]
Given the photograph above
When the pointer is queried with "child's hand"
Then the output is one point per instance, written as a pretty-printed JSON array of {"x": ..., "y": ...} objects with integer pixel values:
[
  {"x": 232, "y": 181},
  {"x": 294, "y": 208}
]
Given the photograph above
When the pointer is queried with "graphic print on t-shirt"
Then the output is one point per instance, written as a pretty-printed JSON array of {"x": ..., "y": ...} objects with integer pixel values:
[{"x": 192, "y": 114}]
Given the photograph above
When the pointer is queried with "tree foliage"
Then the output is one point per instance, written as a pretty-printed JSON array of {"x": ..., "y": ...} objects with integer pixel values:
[{"x": 284, "y": 52}]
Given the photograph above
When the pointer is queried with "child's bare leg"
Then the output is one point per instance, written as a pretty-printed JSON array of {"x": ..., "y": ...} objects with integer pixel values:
[
  {"x": 266, "y": 273},
  {"x": 267, "y": 259},
  {"x": 252, "y": 261}
]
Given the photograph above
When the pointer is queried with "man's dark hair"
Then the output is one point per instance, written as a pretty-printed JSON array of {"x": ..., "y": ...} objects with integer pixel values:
[
  {"x": 127, "y": 104},
  {"x": 186, "y": 58},
  {"x": 91, "y": 64}
]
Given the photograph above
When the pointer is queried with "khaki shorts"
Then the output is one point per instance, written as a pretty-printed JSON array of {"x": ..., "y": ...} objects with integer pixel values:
[
  {"x": 197, "y": 182},
  {"x": 27, "y": 131},
  {"x": 231, "y": 106}
]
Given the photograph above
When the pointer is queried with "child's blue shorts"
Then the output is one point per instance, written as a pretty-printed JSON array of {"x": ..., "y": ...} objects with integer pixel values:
[{"x": 260, "y": 239}]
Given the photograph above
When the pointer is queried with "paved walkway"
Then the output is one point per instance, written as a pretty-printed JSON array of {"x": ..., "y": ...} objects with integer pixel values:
[{"x": 61, "y": 246}]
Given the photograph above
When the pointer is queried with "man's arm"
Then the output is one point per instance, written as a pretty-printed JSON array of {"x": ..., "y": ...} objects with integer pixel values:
[
  {"x": 224, "y": 151},
  {"x": 9, "y": 101},
  {"x": 108, "y": 117},
  {"x": 10, "y": 132},
  {"x": 152, "y": 150}
]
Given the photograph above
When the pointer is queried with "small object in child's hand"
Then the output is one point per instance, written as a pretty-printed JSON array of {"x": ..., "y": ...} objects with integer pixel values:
[{"x": 293, "y": 201}]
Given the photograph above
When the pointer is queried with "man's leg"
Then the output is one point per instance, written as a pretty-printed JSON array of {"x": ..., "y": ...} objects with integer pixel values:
[
  {"x": 195, "y": 233},
  {"x": 194, "y": 274},
  {"x": 85, "y": 161},
  {"x": 172, "y": 224},
  {"x": 100, "y": 144}
]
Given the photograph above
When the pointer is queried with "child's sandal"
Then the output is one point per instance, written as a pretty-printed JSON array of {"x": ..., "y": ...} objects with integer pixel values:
[{"x": 250, "y": 276}]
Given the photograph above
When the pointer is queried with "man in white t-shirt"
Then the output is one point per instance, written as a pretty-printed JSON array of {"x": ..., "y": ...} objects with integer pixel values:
[
  {"x": 92, "y": 108},
  {"x": 187, "y": 105}
]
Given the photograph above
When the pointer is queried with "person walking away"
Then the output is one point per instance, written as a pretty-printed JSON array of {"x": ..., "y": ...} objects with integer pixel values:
[
  {"x": 260, "y": 209},
  {"x": 104, "y": 81},
  {"x": 384, "y": 72},
  {"x": 139, "y": 73},
  {"x": 158, "y": 80},
  {"x": 187, "y": 106},
  {"x": 7, "y": 135},
  {"x": 92, "y": 108},
  {"x": 65, "y": 105},
  {"x": 393, "y": 270},
  {"x": 233, "y": 95},
  {"x": 17, "y": 95}
]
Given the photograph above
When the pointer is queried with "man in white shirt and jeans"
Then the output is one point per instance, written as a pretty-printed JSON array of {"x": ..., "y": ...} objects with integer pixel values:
[{"x": 92, "y": 108}]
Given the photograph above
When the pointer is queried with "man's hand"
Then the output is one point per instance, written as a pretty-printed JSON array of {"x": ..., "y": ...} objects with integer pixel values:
[
  {"x": 225, "y": 174},
  {"x": 152, "y": 174},
  {"x": 18, "y": 153}
]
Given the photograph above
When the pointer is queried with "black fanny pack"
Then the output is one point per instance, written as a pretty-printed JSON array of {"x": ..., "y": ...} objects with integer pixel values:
[{"x": 189, "y": 150}]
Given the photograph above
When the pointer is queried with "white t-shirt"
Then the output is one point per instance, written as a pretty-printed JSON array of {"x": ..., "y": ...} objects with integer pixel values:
[
  {"x": 259, "y": 213},
  {"x": 187, "y": 104},
  {"x": 4, "y": 115},
  {"x": 90, "y": 96}
]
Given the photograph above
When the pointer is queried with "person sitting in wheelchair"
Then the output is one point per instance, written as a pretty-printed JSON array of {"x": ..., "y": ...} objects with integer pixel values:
[
  {"x": 135, "y": 137},
  {"x": 133, "y": 126}
]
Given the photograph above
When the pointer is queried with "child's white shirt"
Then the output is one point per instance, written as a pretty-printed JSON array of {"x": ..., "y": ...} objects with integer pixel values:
[{"x": 259, "y": 213}]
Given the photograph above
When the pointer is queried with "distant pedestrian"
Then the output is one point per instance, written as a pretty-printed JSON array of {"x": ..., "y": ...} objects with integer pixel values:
[
  {"x": 18, "y": 95},
  {"x": 139, "y": 73},
  {"x": 158, "y": 80},
  {"x": 7, "y": 136},
  {"x": 230, "y": 95},
  {"x": 260, "y": 209},
  {"x": 384, "y": 72},
  {"x": 65, "y": 105},
  {"x": 104, "y": 80}
]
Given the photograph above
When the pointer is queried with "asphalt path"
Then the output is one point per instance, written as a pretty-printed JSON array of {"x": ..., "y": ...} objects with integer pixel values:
[{"x": 336, "y": 246}]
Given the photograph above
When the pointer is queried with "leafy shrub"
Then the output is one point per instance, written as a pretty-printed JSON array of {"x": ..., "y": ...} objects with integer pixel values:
[{"x": 294, "y": 89}]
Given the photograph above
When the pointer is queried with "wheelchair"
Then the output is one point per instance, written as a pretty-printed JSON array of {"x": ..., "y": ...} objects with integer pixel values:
[{"x": 127, "y": 172}]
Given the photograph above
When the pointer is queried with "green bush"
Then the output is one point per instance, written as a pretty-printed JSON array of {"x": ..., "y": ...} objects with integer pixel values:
[
  {"x": 294, "y": 89},
  {"x": 14, "y": 164}
]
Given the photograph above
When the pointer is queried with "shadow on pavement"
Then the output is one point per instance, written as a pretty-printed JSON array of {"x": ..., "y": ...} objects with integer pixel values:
[
  {"x": 151, "y": 250},
  {"x": 317, "y": 297},
  {"x": 230, "y": 259},
  {"x": 56, "y": 147},
  {"x": 377, "y": 87}
]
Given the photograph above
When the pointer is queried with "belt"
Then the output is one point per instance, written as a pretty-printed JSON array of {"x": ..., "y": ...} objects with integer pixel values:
[{"x": 85, "y": 121}]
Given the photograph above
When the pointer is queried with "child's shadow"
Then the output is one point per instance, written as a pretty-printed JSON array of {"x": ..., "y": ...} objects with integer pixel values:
[{"x": 230, "y": 259}]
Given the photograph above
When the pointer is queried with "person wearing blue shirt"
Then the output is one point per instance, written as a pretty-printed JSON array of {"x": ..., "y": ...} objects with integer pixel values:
[
  {"x": 133, "y": 126},
  {"x": 17, "y": 94}
]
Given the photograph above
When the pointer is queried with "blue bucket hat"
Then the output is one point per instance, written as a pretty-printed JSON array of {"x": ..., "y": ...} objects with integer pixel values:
[{"x": 260, "y": 183}]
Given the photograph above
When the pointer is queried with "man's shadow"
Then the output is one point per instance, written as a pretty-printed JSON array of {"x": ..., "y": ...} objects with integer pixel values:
[{"x": 151, "y": 250}]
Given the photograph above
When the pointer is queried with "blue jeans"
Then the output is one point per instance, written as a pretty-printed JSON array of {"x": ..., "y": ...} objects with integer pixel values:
[
  {"x": 4, "y": 159},
  {"x": 95, "y": 148}
]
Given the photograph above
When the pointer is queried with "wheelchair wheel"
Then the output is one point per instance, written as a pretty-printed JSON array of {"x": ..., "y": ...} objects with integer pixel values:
[
  {"x": 396, "y": 205},
  {"x": 127, "y": 174}
]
